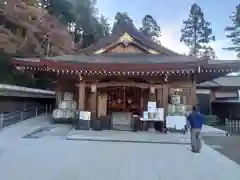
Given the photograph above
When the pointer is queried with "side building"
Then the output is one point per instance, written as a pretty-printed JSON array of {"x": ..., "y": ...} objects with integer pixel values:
[{"x": 220, "y": 97}]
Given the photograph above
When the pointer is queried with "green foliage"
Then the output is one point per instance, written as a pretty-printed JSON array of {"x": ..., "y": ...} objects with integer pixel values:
[
  {"x": 81, "y": 18},
  {"x": 233, "y": 32},
  {"x": 208, "y": 53},
  {"x": 9, "y": 75},
  {"x": 88, "y": 28},
  {"x": 196, "y": 33},
  {"x": 150, "y": 28},
  {"x": 6, "y": 75},
  {"x": 121, "y": 17},
  {"x": 61, "y": 9},
  {"x": 102, "y": 28}
]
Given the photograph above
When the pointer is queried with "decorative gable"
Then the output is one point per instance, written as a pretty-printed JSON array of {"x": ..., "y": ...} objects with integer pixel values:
[
  {"x": 126, "y": 43},
  {"x": 127, "y": 38}
]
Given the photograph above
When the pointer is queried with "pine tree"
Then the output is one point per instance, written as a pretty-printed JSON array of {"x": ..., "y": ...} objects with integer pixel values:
[
  {"x": 150, "y": 28},
  {"x": 233, "y": 32},
  {"x": 121, "y": 17},
  {"x": 208, "y": 53},
  {"x": 197, "y": 32}
]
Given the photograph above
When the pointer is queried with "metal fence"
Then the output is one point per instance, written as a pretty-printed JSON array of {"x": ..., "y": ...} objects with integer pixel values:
[
  {"x": 7, "y": 119},
  {"x": 232, "y": 126}
]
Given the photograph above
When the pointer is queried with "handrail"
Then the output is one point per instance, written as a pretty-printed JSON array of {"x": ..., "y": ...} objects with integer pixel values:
[
  {"x": 21, "y": 115},
  {"x": 23, "y": 110}
]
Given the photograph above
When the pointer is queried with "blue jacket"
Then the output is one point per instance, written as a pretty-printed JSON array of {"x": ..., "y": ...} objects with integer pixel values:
[{"x": 195, "y": 120}]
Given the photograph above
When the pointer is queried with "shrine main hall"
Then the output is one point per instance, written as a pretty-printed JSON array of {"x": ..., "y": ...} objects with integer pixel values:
[{"x": 124, "y": 71}]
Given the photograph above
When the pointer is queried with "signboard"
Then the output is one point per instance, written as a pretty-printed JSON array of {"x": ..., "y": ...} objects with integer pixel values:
[
  {"x": 176, "y": 122},
  {"x": 159, "y": 114},
  {"x": 85, "y": 115},
  {"x": 152, "y": 107}
]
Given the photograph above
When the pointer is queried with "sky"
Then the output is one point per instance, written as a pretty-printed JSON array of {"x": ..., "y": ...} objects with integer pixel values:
[{"x": 170, "y": 15}]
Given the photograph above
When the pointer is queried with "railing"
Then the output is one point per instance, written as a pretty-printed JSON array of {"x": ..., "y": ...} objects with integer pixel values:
[
  {"x": 232, "y": 126},
  {"x": 7, "y": 119}
]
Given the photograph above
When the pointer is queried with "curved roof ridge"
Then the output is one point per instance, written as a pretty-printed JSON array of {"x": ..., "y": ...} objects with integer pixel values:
[{"x": 126, "y": 27}]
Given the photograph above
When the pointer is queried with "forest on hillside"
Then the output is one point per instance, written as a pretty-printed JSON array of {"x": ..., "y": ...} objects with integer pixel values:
[{"x": 56, "y": 27}]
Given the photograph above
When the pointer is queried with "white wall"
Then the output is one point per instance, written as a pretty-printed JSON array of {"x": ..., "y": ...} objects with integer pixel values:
[
  {"x": 203, "y": 91},
  {"x": 231, "y": 94}
]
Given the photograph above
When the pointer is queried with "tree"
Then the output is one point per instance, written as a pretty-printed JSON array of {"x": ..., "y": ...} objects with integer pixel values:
[
  {"x": 197, "y": 32},
  {"x": 81, "y": 18},
  {"x": 61, "y": 9},
  {"x": 208, "y": 53},
  {"x": 121, "y": 17},
  {"x": 88, "y": 27},
  {"x": 150, "y": 28},
  {"x": 103, "y": 28},
  {"x": 9, "y": 75},
  {"x": 233, "y": 32}
]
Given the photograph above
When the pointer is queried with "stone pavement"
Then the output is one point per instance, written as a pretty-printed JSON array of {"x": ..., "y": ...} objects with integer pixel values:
[
  {"x": 12, "y": 135},
  {"x": 211, "y": 131},
  {"x": 127, "y": 136},
  {"x": 227, "y": 145},
  {"x": 48, "y": 159},
  {"x": 58, "y": 159},
  {"x": 21, "y": 129}
]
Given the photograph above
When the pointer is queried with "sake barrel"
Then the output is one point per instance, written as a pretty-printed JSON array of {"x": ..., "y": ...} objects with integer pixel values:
[
  {"x": 58, "y": 113},
  {"x": 175, "y": 99},
  {"x": 171, "y": 109},
  {"x": 177, "y": 109},
  {"x": 63, "y": 105},
  {"x": 188, "y": 109},
  {"x": 69, "y": 114},
  {"x": 68, "y": 96},
  {"x": 183, "y": 109},
  {"x": 73, "y": 105}
]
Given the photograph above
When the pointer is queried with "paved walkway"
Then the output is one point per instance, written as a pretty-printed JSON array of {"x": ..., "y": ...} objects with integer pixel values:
[
  {"x": 27, "y": 126},
  {"x": 57, "y": 159},
  {"x": 211, "y": 131},
  {"x": 128, "y": 136},
  {"x": 12, "y": 135}
]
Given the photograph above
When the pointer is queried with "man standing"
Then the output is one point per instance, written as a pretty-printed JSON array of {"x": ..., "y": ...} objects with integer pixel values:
[{"x": 195, "y": 119}]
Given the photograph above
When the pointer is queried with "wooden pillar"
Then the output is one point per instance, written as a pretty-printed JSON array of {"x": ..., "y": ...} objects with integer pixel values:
[
  {"x": 165, "y": 101},
  {"x": 160, "y": 105},
  {"x": 152, "y": 95},
  {"x": 58, "y": 98},
  {"x": 93, "y": 103},
  {"x": 81, "y": 96},
  {"x": 160, "y": 97},
  {"x": 142, "y": 102},
  {"x": 211, "y": 99},
  {"x": 58, "y": 94},
  {"x": 193, "y": 91}
]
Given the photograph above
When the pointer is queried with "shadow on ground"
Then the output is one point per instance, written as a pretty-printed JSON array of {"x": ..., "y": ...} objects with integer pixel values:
[{"x": 227, "y": 145}]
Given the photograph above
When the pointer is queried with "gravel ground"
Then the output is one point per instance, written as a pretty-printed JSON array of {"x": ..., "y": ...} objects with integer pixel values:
[{"x": 227, "y": 145}]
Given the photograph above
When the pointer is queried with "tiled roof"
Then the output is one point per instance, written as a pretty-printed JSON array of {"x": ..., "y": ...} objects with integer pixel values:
[
  {"x": 226, "y": 81},
  {"x": 125, "y": 27},
  {"x": 123, "y": 58}
]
